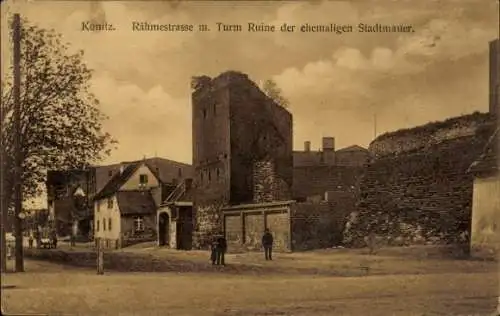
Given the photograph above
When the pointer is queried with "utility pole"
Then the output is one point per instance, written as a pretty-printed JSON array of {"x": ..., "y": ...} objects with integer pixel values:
[
  {"x": 16, "y": 28},
  {"x": 3, "y": 198}
]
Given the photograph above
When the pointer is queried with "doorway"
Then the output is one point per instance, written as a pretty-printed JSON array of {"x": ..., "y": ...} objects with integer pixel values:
[{"x": 163, "y": 229}]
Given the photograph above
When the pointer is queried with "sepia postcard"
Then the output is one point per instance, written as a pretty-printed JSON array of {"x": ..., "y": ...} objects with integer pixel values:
[{"x": 240, "y": 158}]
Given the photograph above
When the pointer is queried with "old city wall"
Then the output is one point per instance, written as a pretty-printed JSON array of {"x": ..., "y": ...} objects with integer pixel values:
[
  {"x": 319, "y": 225},
  {"x": 418, "y": 184},
  {"x": 427, "y": 135},
  {"x": 311, "y": 181}
]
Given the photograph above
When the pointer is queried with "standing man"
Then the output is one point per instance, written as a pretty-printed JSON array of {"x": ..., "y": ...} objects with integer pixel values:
[
  {"x": 267, "y": 243},
  {"x": 221, "y": 249},
  {"x": 30, "y": 240}
]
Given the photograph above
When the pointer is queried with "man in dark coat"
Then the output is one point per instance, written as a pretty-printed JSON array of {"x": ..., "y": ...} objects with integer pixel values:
[
  {"x": 213, "y": 250},
  {"x": 267, "y": 243},
  {"x": 221, "y": 249}
]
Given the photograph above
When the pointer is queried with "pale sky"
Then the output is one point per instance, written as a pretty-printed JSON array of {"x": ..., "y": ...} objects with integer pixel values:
[{"x": 335, "y": 83}]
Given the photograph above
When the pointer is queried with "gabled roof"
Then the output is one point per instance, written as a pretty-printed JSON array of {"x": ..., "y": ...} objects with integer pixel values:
[
  {"x": 118, "y": 181},
  {"x": 352, "y": 148},
  {"x": 163, "y": 169},
  {"x": 488, "y": 161},
  {"x": 137, "y": 202}
]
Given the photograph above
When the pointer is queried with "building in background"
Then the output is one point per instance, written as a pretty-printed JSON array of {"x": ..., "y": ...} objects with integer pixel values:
[
  {"x": 62, "y": 185},
  {"x": 355, "y": 155},
  {"x": 494, "y": 77},
  {"x": 322, "y": 174}
]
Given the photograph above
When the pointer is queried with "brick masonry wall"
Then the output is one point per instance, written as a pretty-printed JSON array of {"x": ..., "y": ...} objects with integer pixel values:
[
  {"x": 316, "y": 180},
  {"x": 320, "y": 225},
  {"x": 268, "y": 187},
  {"x": 427, "y": 188},
  {"x": 211, "y": 158}
]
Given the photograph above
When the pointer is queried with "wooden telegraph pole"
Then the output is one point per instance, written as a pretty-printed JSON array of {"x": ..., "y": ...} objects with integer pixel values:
[
  {"x": 16, "y": 31},
  {"x": 3, "y": 198},
  {"x": 100, "y": 256}
]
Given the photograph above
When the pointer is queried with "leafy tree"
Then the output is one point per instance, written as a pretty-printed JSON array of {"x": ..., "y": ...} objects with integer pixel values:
[
  {"x": 61, "y": 124},
  {"x": 272, "y": 90}
]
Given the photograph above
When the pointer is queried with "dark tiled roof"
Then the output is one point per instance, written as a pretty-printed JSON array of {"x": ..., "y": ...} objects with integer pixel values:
[
  {"x": 352, "y": 148},
  {"x": 117, "y": 181},
  {"x": 165, "y": 170},
  {"x": 135, "y": 202},
  {"x": 488, "y": 161}
]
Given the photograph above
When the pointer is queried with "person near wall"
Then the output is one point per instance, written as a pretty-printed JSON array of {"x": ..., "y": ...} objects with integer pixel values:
[
  {"x": 267, "y": 244},
  {"x": 54, "y": 239},
  {"x": 221, "y": 249},
  {"x": 213, "y": 251},
  {"x": 30, "y": 240}
]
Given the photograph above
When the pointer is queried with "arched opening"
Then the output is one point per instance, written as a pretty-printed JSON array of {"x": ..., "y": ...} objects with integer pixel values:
[{"x": 163, "y": 229}]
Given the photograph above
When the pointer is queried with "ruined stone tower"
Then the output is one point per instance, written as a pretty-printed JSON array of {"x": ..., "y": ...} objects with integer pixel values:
[{"x": 235, "y": 128}]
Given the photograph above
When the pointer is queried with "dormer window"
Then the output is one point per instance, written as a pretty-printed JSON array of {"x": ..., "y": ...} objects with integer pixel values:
[{"x": 143, "y": 179}]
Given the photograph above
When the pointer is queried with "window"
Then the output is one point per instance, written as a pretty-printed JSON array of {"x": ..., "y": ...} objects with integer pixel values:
[
  {"x": 98, "y": 206},
  {"x": 204, "y": 113},
  {"x": 110, "y": 173},
  {"x": 215, "y": 109},
  {"x": 179, "y": 172},
  {"x": 109, "y": 223},
  {"x": 209, "y": 176},
  {"x": 143, "y": 179},
  {"x": 110, "y": 202},
  {"x": 104, "y": 224},
  {"x": 138, "y": 224},
  {"x": 201, "y": 176},
  {"x": 218, "y": 173},
  {"x": 97, "y": 226}
]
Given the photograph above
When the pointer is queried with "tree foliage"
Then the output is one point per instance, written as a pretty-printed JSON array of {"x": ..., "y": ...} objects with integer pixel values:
[
  {"x": 272, "y": 90},
  {"x": 61, "y": 124}
]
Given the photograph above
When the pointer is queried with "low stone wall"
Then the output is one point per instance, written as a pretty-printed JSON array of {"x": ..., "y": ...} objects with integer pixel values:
[
  {"x": 207, "y": 224},
  {"x": 319, "y": 225},
  {"x": 244, "y": 225},
  {"x": 295, "y": 226}
]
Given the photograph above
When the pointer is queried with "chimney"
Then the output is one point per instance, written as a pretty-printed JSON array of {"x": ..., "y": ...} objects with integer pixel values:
[
  {"x": 328, "y": 144},
  {"x": 307, "y": 146}
]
